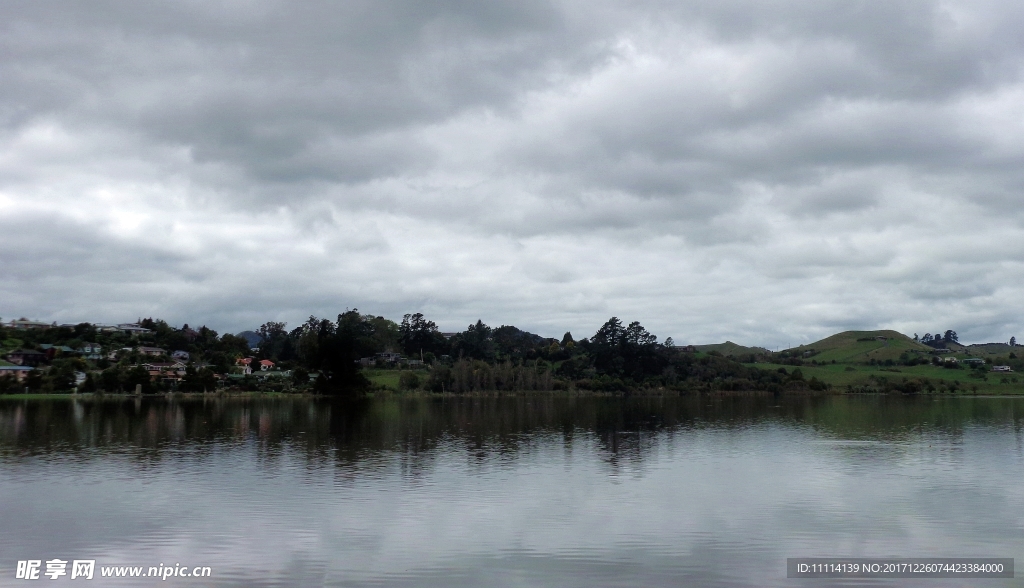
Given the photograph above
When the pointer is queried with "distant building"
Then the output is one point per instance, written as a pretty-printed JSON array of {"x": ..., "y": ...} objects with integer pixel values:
[
  {"x": 26, "y": 357},
  {"x": 132, "y": 329},
  {"x": 20, "y": 372},
  {"x": 1001, "y": 368},
  {"x": 973, "y": 361},
  {"x": 389, "y": 356},
  {"x": 23, "y": 324},
  {"x": 266, "y": 364},
  {"x": 151, "y": 351},
  {"x": 90, "y": 350},
  {"x": 244, "y": 364},
  {"x": 168, "y": 371},
  {"x": 180, "y": 355},
  {"x": 53, "y": 351},
  {"x": 115, "y": 353}
]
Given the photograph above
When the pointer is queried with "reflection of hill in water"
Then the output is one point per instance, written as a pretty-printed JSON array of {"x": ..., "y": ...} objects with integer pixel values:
[{"x": 486, "y": 426}]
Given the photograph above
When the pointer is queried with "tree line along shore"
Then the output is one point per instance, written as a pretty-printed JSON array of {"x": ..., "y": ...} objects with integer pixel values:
[{"x": 358, "y": 354}]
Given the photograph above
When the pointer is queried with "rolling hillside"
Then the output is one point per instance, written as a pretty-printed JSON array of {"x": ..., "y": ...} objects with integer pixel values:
[{"x": 861, "y": 347}]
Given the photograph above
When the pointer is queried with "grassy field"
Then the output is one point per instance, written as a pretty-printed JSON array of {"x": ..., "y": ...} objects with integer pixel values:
[
  {"x": 389, "y": 378},
  {"x": 843, "y": 375}
]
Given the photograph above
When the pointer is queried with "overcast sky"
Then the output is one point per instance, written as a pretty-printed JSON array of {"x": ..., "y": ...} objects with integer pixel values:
[{"x": 765, "y": 172}]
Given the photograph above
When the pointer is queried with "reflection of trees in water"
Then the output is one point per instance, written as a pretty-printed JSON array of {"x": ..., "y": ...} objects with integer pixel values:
[{"x": 369, "y": 434}]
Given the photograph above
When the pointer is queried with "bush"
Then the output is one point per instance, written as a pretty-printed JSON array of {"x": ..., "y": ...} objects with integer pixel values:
[
  {"x": 408, "y": 381},
  {"x": 9, "y": 385}
]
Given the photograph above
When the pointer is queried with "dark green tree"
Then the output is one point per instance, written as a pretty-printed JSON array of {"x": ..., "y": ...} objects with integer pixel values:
[
  {"x": 474, "y": 343},
  {"x": 333, "y": 350},
  {"x": 198, "y": 380},
  {"x": 417, "y": 335}
]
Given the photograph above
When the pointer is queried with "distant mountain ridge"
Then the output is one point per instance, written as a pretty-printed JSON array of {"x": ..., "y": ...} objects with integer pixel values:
[
  {"x": 251, "y": 337},
  {"x": 729, "y": 348}
]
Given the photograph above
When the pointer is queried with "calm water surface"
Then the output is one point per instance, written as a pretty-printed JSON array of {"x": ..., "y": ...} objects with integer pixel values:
[{"x": 509, "y": 491}]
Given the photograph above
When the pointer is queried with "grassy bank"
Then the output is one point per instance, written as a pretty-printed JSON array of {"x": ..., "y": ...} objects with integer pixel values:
[{"x": 844, "y": 376}]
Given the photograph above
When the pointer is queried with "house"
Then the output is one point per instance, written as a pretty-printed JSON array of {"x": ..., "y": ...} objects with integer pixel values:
[
  {"x": 26, "y": 357},
  {"x": 389, "y": 356},
  {"x": 973, "y": 361},
  {"x": 20, "y": 372},
  {"x": 53, "y": 351},
  {"x": 23, "y": 324},
  {"x": 1001, "y": 368},
  {"x": 366, "y": 361},
  {"x": 115, "y": 353},
  {"x": 152, "y": 351},
  {"x": 168, "y": 371},
  {"x": 90, "y": 350},
  {"x": 132, "y": 329},
  {"x": 244, "y": 364},
  {"x": 180, "y": 355},
  {"x": 950, "y": 360},
  {"x": 266, "y": 364}
]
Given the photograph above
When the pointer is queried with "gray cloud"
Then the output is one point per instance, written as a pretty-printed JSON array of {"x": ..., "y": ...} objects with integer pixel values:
[{"x": 760, "y": 172}]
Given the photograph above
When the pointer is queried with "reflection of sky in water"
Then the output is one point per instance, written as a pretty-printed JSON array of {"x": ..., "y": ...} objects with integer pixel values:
[{"x": 707, "y": 500}]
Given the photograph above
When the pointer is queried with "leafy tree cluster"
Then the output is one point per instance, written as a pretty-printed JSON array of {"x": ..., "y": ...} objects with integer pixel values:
[{"x": 940, "y": 340}]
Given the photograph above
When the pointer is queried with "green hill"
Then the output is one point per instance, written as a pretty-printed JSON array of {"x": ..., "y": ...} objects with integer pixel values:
[
  {"x": 992, "y": 349},
  {"x": 860, "y": 347}
]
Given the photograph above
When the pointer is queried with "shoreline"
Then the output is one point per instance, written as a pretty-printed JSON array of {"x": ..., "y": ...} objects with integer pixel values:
[{"x": 484, "y": 394}]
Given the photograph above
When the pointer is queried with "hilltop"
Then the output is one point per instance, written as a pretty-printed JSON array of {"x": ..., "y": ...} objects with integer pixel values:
[
  {"x": 729, "y": 349},
  {"x": 860, "y": 347}
]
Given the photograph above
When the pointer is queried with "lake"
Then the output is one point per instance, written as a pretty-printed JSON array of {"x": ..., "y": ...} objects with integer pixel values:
[{"x": 524, "y": 491}]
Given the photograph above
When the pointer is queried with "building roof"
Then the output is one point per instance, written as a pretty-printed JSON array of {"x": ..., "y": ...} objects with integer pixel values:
[
  {"x": 25, "y": 352},
  {"x": 15, "y": 368}
]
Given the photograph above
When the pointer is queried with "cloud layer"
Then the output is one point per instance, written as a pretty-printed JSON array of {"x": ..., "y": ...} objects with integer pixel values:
[{"x": 763, "y": 172}]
